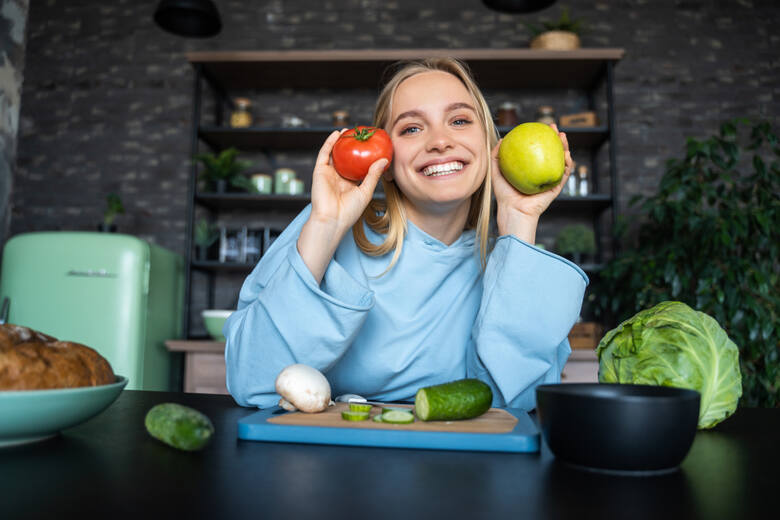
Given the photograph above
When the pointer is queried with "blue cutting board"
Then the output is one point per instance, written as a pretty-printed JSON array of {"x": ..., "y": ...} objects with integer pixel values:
[{"x": 277, "y": 425}]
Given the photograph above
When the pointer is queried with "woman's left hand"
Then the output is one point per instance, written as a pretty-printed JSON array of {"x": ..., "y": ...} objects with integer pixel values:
[{"x": 518, "y": 214}]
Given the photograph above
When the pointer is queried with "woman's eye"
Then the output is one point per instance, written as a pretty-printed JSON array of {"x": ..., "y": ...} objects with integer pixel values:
[
  {"x": 461, "y": 121},
  {"x": 409, "y": 130}
]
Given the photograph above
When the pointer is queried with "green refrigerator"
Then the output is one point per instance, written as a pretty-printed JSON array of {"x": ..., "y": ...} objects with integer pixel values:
[{"x": 116, "y": 293}]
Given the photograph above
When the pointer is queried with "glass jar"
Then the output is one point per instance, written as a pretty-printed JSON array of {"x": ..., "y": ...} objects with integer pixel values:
[
  {"x": 241, "y": 117},
  {"x": 545, "y": 114},
  {"x": 282, "y": 178},
  {"x": 507, "y": 114},
  {"x": 582, "y": 180},
  {"x": 340, "y": 118},
  {"x": 571, "y": 184}
]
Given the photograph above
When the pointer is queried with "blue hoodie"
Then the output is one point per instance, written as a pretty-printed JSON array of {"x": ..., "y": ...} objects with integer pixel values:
[{"x": 433, "y": 318}]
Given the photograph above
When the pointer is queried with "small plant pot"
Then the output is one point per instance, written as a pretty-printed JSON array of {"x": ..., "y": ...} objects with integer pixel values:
[
  {"x": 106, "y": 228},
  {"x": 201, "y": 253},
  {"x": 221, "y": 186},
  {"x": 556, "y": 41}
]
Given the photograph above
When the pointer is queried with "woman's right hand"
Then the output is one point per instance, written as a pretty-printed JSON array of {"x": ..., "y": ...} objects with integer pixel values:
[
  {"x": 336, "y": 204},
  {"x": 337, "y": 201}
]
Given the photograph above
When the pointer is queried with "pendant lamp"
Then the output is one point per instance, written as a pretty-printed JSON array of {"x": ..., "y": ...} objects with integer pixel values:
[
  {"x": 192, "y": 18},
  {"x": 518, "y": 6}
]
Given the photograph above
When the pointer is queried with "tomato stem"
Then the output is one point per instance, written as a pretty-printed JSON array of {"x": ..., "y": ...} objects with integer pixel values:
[{"x": 364, "y": 133}]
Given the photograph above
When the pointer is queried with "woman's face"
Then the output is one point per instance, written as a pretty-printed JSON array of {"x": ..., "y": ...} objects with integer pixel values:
[{"x": 439, "y": 153}]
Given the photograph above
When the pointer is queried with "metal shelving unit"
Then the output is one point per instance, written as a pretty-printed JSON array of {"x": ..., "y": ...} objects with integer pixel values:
[{"x": 227, "y": 71}]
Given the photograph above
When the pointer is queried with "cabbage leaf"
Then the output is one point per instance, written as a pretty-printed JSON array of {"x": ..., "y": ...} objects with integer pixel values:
[{"x": 672, "y": 344}]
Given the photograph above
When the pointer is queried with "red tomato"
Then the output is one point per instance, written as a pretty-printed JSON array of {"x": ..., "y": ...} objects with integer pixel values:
[{"x": 358, "y": 148}]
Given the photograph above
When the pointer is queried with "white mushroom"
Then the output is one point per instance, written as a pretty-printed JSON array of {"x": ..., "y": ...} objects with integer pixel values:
[{"x": 304, "y": 388}]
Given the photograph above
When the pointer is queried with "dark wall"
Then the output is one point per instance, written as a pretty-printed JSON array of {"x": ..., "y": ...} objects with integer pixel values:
[
  {"x": 13, "y": 18},
  {"x": 106, "y": 98}
]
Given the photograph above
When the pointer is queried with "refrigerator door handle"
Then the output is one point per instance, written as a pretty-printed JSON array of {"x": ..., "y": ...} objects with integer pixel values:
[{"x": 4, "y": 311}]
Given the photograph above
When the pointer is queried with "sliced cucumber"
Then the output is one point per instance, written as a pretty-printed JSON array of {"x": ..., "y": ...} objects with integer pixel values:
[
  {"x": 378, "y": 418},
  {"x": 398, "y": 417},
  {"x": 359, "y": 407},
  {"x": 349, "y": 415},
  {"x": 391, "y": 409},
  {"x": 457, "y": 400}
]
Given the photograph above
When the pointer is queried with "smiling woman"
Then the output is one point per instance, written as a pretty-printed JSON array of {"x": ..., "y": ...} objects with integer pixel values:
[
  {"x": 440, "y": 152},
  {"x": 412, "y": 95},
  {"x": 444, "y": 305}
]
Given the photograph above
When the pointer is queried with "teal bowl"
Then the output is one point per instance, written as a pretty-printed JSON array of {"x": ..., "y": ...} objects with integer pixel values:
[
  {"x": 214, "y": 320},
  {"x": 34, "y": 415}
]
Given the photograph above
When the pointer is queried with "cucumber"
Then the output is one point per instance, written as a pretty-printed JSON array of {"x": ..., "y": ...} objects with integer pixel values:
[
  {"x": 398, "y": 417},
  {"x": 378, "y": 418},
  {"x": 349, "y": 415},
  {"x": 396, "y": 409},
  {"x": 454, "y": 401},
  {"x": 359, "y": 407},
  {"x": 179, "y": 426}
]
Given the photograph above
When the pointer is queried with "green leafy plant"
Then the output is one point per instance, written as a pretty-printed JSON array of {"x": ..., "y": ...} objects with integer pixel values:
[
  {"x": 710, "y": 238},
  {"x": 564, "y": 23},
  {"x": 225, "y": 167},
  {"x": 205, "y": 233},
  {"x": 114, "y": 208},
  {"x": 574, "y": 239}
]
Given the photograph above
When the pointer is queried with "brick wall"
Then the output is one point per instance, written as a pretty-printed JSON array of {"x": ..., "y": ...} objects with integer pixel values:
[{"x": 106, "y": 94}]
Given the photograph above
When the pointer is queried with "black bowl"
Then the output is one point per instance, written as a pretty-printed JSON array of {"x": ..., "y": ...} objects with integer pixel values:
[{"x": 619, "y": 428}]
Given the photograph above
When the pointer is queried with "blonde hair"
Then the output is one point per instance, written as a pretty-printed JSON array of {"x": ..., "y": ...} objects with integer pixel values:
[{"x": 388, "y": 217}]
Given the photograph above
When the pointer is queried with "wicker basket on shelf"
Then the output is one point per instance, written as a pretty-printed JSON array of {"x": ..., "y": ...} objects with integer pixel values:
[{"x": 556, "y": 40}]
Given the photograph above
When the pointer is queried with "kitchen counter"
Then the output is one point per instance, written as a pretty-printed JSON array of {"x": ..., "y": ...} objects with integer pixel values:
[{"x": 109, "y": 467}]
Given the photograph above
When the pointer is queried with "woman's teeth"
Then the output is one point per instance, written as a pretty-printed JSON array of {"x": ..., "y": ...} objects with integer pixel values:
[{"x": 436, "y": 170}]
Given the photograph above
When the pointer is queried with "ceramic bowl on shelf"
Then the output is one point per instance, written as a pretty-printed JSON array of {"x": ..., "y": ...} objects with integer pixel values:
[
  {"x": 618, "y": 428},
  {"x": 214, "y": 320}
]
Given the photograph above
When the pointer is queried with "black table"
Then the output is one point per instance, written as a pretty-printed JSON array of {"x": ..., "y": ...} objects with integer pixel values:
[{"x": 110, "y": 467}]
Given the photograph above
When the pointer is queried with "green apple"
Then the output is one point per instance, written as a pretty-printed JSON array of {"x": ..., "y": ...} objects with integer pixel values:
[{"x": 531, "y": 158}]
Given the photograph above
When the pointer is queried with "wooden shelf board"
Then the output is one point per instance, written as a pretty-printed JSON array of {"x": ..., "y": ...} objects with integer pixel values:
[
  {"x": 589, "y": 204},
  {"x": 311, "y": 138},
  {"x": 492, "y": 68},
  {"x": 184, "y": 345},
  {"x": 255, "y": 201},
  {"x": 215, "y": 265},
  {"x": 265, "y": 138}
]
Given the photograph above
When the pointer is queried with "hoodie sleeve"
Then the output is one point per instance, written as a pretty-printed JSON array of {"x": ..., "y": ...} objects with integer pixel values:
[
  {"x": 284, "y": 317},
  {"x": 531, "y": 299}
]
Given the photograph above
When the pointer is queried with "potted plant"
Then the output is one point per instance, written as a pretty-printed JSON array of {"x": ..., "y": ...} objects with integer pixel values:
[
  {"x": 560, "y": 35},
  {"x": 575, "y": 241},
  {"x": 206, "y": 234},
  {"x": 114, "y": 208},
  {"x": 709, "y": 238},
  {"x": 224, "y": 170}
]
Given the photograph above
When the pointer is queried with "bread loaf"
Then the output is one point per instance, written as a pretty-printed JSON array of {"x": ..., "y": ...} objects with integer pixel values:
[{"x": 31, "y": 360}]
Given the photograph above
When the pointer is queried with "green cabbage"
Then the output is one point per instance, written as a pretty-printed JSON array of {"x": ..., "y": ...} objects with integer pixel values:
[{"x": 674, "y": 345}]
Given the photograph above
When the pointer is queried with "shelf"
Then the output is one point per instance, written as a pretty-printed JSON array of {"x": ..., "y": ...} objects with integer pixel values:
[
  {"x": 195, "y": 345},
  {"x": 311, "y": 138},
  {"x": 592, "y": 268},
  {"x": 492, "y": 68},
  {"x": 263, "y": 138},
  {"x": 219, "y": 201},
  {"x": 214, "y": 266},
  {"x": 230, "y": 267},
  {"x": 329, "y": 73},
  {"x": 591, "y": 204},
  {"x": 580, "y": 138}
]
